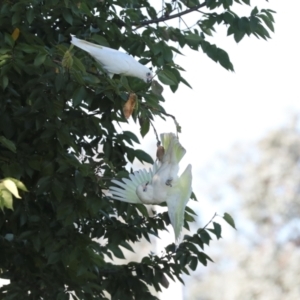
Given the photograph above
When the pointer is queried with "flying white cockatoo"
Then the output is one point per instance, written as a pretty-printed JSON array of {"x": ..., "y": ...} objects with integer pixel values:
[
  {"x": 114, "y": 61},
  {"x": 161, "y": 183}
]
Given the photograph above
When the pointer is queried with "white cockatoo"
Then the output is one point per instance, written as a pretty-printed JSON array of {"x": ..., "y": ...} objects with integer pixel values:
[
  {"x": 160, "y": 184},
  {"x": 114, "y": 61}
]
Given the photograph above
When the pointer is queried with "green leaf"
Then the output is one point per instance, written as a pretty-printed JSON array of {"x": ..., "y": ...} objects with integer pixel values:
[
  {"x": 4, "y": 82},
  {"x": 40, "y": 58},
  {"x": 43, "y": 184},
  {"x": 8, "y": 144},
  {"x": 78, "y": 95},
  {"x": 84, "y": 8},
  {"x": 217, "y": 230},
  {"x": 9, "y": 40},
  {"x": 116, "y": 251},
  {"x": 30, "y": 15},
  {"x": 267, "y": 21},
  {"x": 156, "y": 88},
  {"x": 189, "y": 210},
  {"x": 204, "y": 236},
  {"x": 127, "y": 246},
  {"x": 238, "y": 36},
  {"x": 101, "y": 40},
  {"x": 254, "y": 11},
  {"x": 224, "y": 60},
  {"x": 166, "y": 77},
  {"x": 57, "y": 189},
  {"x": 202, "y": 257},
  {"x": 193, "y": 196},
  {"x": 227, "y": 217},
  {"x": 132, "y": 136},
  {"x": 193, "y": 263},
  {"x": 67, "y": 16},
  {"x": 16, "y": 18},
  {"x": 246, "y": 1},
  {"x": 78, "y": 65},
  {"x": 53, "y": 258},
  {"x": 185, "y": 82},
  {"x": 142, "y": 156},
  {"x": 79, "y": 180},
  {"x": 193, "y": 39},
  {"x": 145, "y": 126}
]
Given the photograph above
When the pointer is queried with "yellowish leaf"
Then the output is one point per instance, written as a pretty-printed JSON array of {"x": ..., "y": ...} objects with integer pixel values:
[
  {"x": 67, "y": 61},
  {"x": 20, "y": 185},
  {"x": 11, "y": 187},
  {"x": 7, "y": 200},
  {"x": 15, "y": 34}
]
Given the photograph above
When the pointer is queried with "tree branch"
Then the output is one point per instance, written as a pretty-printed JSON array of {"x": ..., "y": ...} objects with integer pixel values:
[
  {"x": 157, "y": 138},
  {"x": 169, "y": 17}
]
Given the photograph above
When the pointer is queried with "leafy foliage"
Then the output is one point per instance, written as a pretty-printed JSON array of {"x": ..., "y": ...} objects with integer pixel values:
[{"x": 57, "y": 137}]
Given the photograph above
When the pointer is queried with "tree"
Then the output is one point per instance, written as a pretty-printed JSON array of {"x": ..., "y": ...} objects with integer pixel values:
[
  {"x": 261, "y": 260},
  {"x": 58, "y": 139}
]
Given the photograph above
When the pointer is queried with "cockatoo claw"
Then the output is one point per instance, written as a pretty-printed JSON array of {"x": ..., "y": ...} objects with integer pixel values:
[
  {"x": 145, "y": 186},
  {"x": 168, "y": 182}
]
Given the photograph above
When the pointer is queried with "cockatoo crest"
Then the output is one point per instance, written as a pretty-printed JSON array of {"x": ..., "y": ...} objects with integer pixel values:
[
  {"x": 160, "y": 184},
  {"x": 114, "y": 61}
]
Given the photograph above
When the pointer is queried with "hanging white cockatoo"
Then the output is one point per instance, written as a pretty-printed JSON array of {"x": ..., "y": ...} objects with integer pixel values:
[
  {"x": 114, "y": 61},
  {"x": 161, "y": 184}
]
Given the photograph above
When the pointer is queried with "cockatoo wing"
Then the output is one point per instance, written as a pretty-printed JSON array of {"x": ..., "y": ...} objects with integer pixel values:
[
  {"x": 179, "y": 195},
  {"x": 126, "y": 188},
  {"x": 114, "y": 61},
  {"x": 174, "y": 151}
]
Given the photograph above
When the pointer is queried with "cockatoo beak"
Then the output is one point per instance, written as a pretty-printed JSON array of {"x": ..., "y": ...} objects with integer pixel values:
[{"x": 149, "y": 77}]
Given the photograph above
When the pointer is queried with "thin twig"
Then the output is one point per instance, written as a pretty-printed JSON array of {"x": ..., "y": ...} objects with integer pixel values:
[
  {"x": 157, "y": 138},
  {"x": 215, "y": 214},
  {"x": 165, "y": 18},
  {"x": 184, "y": 22},
  {"x": 168, "y": 115}
]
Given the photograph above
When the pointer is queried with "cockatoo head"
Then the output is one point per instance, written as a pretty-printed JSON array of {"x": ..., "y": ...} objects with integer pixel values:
[
  {"x": 145, "y": 193},
  {"x": 149, "y": 77}
]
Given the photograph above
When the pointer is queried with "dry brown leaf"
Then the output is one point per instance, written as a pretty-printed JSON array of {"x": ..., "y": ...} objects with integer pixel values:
[{"x": 129, "y": 105}]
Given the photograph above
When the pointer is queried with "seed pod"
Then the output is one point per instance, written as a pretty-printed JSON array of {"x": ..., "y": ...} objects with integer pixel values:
[
  {"x": 160, "y": 152},
  {"x": 129, "y": 105}
]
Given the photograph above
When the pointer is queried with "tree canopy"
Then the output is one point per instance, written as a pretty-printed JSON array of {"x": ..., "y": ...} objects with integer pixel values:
[{"x": 57, "y": 137}]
